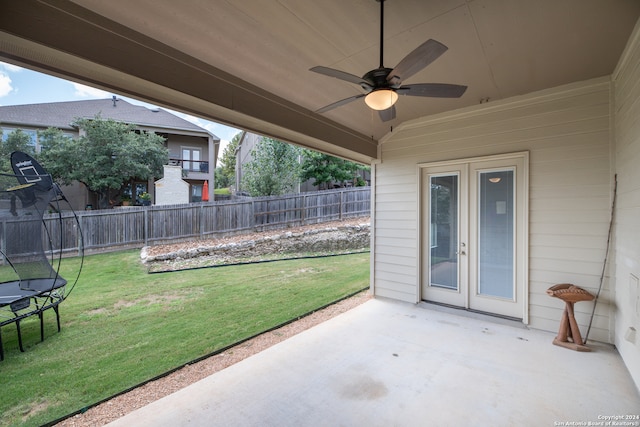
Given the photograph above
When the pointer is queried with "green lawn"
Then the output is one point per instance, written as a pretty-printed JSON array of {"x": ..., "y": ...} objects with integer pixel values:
[{"x": 122, "y": 326}]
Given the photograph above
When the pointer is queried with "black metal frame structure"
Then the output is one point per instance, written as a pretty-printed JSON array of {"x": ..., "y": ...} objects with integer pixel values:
[{"x": 30, "y": 282}]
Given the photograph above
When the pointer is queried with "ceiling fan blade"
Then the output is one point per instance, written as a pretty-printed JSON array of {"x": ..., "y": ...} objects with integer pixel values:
[
  {"x": 433, "y": 90},
  {"x": 351, "y": 78},
  {"x": 388, "y": 114},
  {"x": 338, "y": 103},
  {"x": 415, "y": 61}
]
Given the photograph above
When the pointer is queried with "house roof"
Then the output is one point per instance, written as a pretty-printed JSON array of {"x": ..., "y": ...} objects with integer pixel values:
[
  {"x": 246, "y": 63},
  {"x": 62, "y": 114}
]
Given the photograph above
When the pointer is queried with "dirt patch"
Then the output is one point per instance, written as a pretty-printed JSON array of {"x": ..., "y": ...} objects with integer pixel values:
[
  {"x": 124, "y": 304},
  {"x": 29, "y": 410}
]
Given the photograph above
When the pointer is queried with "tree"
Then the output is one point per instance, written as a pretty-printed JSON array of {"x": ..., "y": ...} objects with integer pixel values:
[
  {"x": 221, "y": 180},
  {"x": 54, "y": 154},
  {"x": 274, "y": 169},
  {"x": 18, "y": 140},
  {"x": 106, "y": 158},
  {"x": 226, "y": 172},
  {"x": 325, "y": 169}
]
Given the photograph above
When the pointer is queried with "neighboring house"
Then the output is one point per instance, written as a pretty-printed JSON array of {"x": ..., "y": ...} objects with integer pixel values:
[
  {"x": 190, "y": 146},
  {"x": 248, "y": 142}
]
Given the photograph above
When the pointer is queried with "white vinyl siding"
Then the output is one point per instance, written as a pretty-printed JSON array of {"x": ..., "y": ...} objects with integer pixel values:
[
  {"x": 566, "y": 132},
  {"x": 626, "y": 269},
  {"x": 395, "y": 234}
]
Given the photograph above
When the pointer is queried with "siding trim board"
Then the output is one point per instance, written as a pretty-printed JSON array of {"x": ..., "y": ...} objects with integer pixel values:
[{"x": 373, "y": 229}]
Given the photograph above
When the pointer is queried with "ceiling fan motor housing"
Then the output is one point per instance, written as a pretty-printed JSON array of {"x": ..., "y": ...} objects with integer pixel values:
[{"x": 378, "y": 78}]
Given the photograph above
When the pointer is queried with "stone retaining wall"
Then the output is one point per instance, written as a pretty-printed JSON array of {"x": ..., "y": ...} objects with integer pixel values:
[{"x": 318, "y": 240}]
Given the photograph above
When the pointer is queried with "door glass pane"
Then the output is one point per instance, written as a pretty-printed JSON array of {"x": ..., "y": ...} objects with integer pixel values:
[
  {"x": 186, "y": 157},
  {"x": 196, "y": 193},
  {"x": 496, "y": 234},
  {"x": 443, "y": 255},
  {"x": 195, "y": 156}
]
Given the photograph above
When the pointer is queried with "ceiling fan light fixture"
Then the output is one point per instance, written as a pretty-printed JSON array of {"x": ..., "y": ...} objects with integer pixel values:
[
  {"x": 381, "y": 99},
  {"x": 382, "y": 85}
]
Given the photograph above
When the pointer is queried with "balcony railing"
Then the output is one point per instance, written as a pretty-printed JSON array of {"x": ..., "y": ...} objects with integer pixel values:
[{"x": 191, "y": 165}]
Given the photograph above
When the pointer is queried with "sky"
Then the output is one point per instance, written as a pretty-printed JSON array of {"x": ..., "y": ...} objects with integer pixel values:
[{"x": 22, "y": 86}]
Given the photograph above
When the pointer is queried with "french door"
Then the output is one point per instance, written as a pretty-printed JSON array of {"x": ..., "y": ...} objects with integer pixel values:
[{"x": 474, "y": 234}]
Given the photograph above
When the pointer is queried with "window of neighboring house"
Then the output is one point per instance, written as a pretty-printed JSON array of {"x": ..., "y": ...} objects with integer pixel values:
[
  {"x": 140, "y": 188},
  {"x": 196, "y": 192},
  {"x": 33, "y": 135},
  {"x": 191, "y": 158},
  {"x": 67, "y": 135}
]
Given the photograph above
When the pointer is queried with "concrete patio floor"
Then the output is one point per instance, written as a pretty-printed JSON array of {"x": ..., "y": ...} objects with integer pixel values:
[{"x": 387, "y": 363}]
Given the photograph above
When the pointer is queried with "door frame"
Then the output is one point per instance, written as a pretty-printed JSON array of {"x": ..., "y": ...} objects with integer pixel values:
[{"x": 522, "y": 244}]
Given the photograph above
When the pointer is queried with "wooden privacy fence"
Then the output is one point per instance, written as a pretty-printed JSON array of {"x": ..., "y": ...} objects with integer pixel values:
[{"x": 147, "y": 225}]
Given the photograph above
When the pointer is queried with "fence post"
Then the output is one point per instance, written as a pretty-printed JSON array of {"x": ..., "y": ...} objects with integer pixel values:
[
  {"x": 3, "y": 243},
  {"x": 214, "y": 216},
  {"x": 146, "y": 226},
  {"x": 303, "y": 215},
  {"x": 253, "y": 214},
  {"x": 201, "y": 213},
  {"x": 341, "y": 201},
  {"x": 79, "y": 238}
]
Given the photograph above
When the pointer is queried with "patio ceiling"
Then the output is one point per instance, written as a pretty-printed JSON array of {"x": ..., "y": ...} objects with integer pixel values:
[{"x": 246, "y": 63}]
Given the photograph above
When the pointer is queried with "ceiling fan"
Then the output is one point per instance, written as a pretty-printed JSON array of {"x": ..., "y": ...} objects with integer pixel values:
[{"x": 383, "y": 85}]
